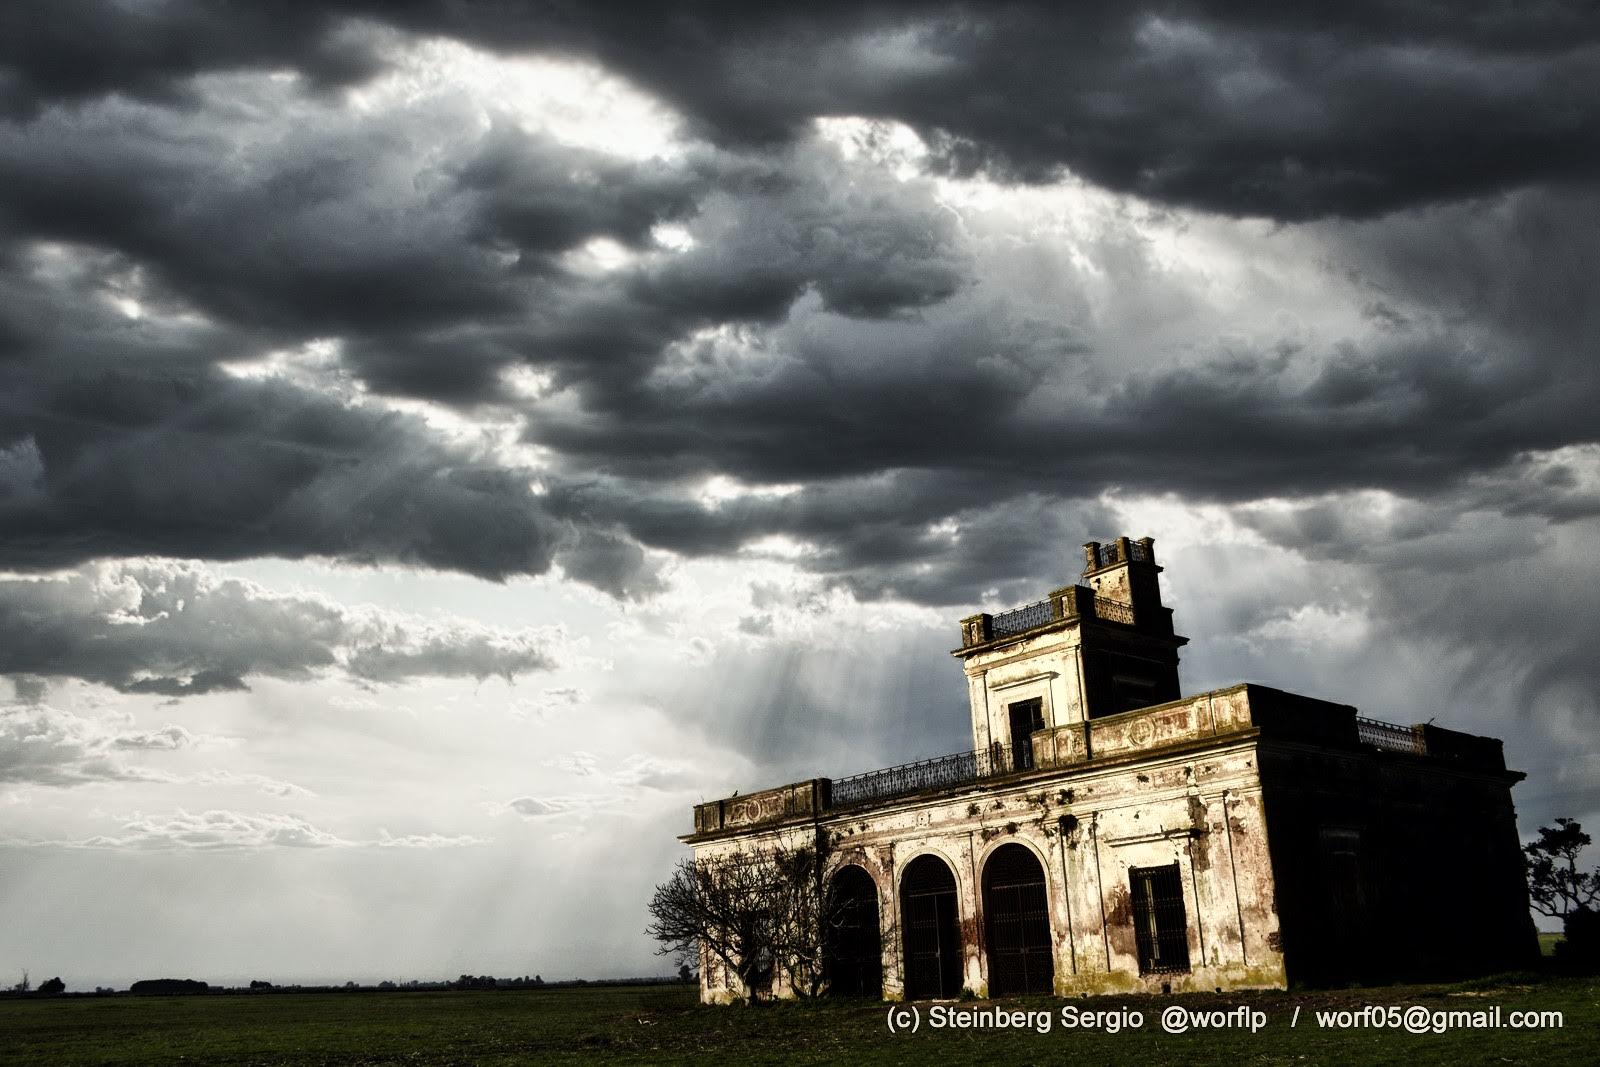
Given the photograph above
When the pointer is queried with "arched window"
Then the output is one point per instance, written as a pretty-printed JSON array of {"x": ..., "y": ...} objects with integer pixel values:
[
  {"x": 931, "y": 920},
  {"x": 1016, "y": 917},
  {"x": 853, "y": 957}
]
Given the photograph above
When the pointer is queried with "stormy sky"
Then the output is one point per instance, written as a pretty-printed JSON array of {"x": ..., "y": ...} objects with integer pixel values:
[{"x": 442, "y": 442}]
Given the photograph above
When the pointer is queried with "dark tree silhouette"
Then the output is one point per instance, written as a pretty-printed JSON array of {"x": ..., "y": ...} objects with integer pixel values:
[
  {"x": 1557, "y": 888},
  {"x": 1555, "y": 885},
  {"x": 52, "y": 986},
  {"x": 757, "y": 913},
  {"x": 167, "y": 986}
]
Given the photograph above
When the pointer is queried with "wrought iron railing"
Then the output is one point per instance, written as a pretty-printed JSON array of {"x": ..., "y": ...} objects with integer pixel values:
[
  {"x": 1108, "y": 552},
  {"x": 1112, "y": 610},
  {"x": 941, "y": 772},
  {"x": 1387, "y": 735},
  {"x": 1023, "y": 619}
]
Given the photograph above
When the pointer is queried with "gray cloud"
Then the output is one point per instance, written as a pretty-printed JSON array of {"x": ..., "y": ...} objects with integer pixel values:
[
  {"x": 1415, "y": 611},
  {"x": 827, "y": 327},
  {"x": 232, "y": 831},
  {"x": 50, "y": 746},
  {"x": 121, "y": 435},
  {"x": 174, "y": 629},
  {"x": 648, "y": 772},
  {"x": 223, "y": 469},
  {"x": 1248, "y": 109},
  {"x": 828, "y": 324},
  {"x": 556, "y": 806},
  {"x": 168, "y": 738},
  {"x": 830, "y": 328},
  {"x": 85, "y": 48},
  {"x": 395, "y": 653}
]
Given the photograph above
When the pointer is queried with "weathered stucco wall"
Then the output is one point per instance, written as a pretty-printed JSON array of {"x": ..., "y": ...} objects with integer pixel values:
[
  {"x": 1045, "y": 667},
  {"x": 1087, "y": 830}
]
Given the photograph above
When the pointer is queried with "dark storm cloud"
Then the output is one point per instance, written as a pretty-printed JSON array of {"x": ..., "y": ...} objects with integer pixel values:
[
  {"x": 830, "y": 397},
  {"x": 541, "y": 196},
  {"x": 766, "y": 230},
  {"x": 334, "y": 225},
  {"x": 920, "y": 536},
  {"x": 391, "y": 654},
  {"x": 825, "y": 322},
  {"x": 219, "y": 468},
  {"x": 893, "y": 427},
  {"x": 612, "y": 564},
  {"x": 1246, "y": 109},
  {"x": 79, "y": 49},
  {"x": 286, "y": 216},
  {"x": 1503, "y": 600},
  {"x": 434, "y": 272}
]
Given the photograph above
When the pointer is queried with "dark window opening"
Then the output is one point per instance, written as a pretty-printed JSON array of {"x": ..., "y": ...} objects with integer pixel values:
[
  {"x": 853, "y": 945},
  {"x": 1026, "y": 717},
  {"x": 1345, "y": 935},
  {"x": 1017, "y": 921},
  {"x": 1131, "y": 693},
  {"x": 932, "y": 929},
  {"x": 1160, "y": 925}
]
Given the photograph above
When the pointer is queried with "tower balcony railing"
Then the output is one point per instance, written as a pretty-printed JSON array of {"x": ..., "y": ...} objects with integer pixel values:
[
  {"x": 940, "y": 772},
  {"x": 1021, "y": 620},
  {"x": 1122, "y": 550},
  {"x": 1073, "y": 602},
  {"x": 1110, "y": 610}
]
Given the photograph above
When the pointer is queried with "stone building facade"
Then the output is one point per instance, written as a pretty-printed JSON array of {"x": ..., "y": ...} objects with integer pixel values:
[{"x": 1106, "y": 834}]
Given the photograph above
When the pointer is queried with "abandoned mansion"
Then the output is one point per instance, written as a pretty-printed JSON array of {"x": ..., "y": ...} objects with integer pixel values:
[{"x": 1107, "y": 834}]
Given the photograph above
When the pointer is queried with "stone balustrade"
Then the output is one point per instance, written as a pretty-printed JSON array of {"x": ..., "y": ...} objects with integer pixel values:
[{"x": 1216, "y": 715}]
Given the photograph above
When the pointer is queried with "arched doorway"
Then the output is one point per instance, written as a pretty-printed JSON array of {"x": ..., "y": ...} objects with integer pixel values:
[
  {"x": 1017, "y": 924},
  {"x": 932, "y": 923},
  {"x": 853, "y": 943}
]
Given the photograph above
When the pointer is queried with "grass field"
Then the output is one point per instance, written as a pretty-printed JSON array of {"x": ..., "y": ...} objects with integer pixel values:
[{"x": 665, "y": 1025}]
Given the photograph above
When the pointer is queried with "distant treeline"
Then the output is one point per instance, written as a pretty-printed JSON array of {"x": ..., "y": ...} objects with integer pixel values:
[
  {"x": 194, "y": 987},
  {"x": 167, "y": 986},
  {"x": 466, "y": 981}
]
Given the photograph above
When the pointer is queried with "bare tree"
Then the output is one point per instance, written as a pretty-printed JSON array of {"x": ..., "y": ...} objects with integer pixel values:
[
  {"x": 758, "y": 913},
  {"x": 805, "y": 910}
]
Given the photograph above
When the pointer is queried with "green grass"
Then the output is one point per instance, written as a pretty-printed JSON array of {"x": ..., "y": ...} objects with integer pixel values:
[
  {"x": 661, "y": 1025},
  {"x": 1548, "y": 942}
]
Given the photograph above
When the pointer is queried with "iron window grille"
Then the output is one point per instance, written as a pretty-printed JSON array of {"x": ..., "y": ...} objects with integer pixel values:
[
  {"x": 1017, "y": 916},
  {"x": 930, "y": 916},
  {"x": 1160, "y": 924}
]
